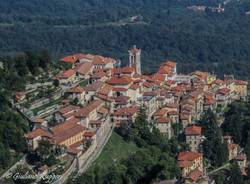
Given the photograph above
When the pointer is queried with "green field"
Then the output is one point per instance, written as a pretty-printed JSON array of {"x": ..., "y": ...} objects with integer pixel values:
[{"x": 115, "y": 150}]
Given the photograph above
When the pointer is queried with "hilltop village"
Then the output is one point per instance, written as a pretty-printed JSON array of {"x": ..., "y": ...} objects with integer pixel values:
[{"x": 98, "y": 95}]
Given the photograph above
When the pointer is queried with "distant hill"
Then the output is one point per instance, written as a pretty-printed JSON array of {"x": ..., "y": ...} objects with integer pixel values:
[{"x": 218, "y": 42}]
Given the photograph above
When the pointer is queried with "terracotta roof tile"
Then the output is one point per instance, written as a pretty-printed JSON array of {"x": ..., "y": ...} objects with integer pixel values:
[
  {"x": 73, "y": 58},
  {"x": 94, "y": 87},
  {"x": 36, "y": 133},
  {"x": 124, "y": 80},
  {"x": 84, "y": 68},
  {"x": 77, "y": 89},
  {"x": 85, "y": 111},
  {"x": 240, "y": 82},
  {"x": 66, "y": 74},
  {"x": 163, "y": 120},
  {"x": 223, "y": 91},
  {"x": 89, "y": 134},
  {"x": 195, "y": 175},
  {"x": 127, "y": 70},
  {"x": 185, "y": 159},
  {"x": 232, "y": 146},
  {"x": 126, "y": 111},
  {"x": 134, "y": 86},
  {"x": 193, "y": 130}
]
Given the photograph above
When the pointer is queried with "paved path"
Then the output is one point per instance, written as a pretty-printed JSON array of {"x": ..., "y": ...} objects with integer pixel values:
[
  {"x": 218, "y": 169},
  {"x": 10, "y": 171},
  {"x": 97, "y": 152}
]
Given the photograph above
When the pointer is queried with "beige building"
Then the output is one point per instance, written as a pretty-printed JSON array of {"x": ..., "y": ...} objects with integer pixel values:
[
  {"x": 190, "y": 162},
  {"x": 126, "y": 114},
  {"x": 77, "y": 93},
  {"x": 193, "y": 137},
  {"x": 66, "y": 77},
  {"x": 164, "y": 126},
  {"x": 66, "y": 134}
]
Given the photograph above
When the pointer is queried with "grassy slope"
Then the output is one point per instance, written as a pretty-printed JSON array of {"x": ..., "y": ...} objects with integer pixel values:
[{"x": 115, "y": 150}]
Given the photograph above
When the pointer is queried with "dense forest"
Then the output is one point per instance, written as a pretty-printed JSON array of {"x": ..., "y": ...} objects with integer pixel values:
[{"x": 210, "y": 41}]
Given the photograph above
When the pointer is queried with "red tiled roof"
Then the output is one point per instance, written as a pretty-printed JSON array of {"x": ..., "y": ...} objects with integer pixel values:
[
  {"x": 71, "y": 108},
  {"x": 166, "y": 70},
  {"x": 65, "y": 125},
  {"x": 223, "y": 91},
  {"x": 94, "y": 87},
  {"x": 120, "y": 89},
  {"x": 84, "y": 112},
  {"x": 89, "y": 134},
  {"x": 103, "y": 110},
  {"x": 147, "y": 84},
  {"x": 124, "y": 80},
  {"x": 240, "y": 82},
  {"x": 173, "y": 113},
  {"x": 76, "y": 145},
  {"x": 163, "y": 120},
  {"x": 66, "y": 74},
  {"x": 105, "y": 89},
  {"x": 218, "y": 82},
  {"x": 67, "y": 133},
  {"x": 195, "y": 175},
  {"x": 161, "y": 112},
  {"x": 84, "y": 68},
  {"x": 100, "y": 60},
  {"x": 72, "y": 58},
  {"x": 98, "y": 75},
  {"x": 127, "y": 70},
  {"x": 232, "y": 146},
  {"x": 19, "y": 95},
  {"x": 210, "y": 101},
  {"x": 185, "y": 159},
  {"x": 170, "y": 82},
  {"x": 121, "y": 98},
  {"x": 193, "y": 130},
  {"x": 77, "y": 89},
  {"x": 158, "y": 77},
  {"x": 134, "y": 86},
  {"x": 126, "y": 111},
  {"x": 36, "y": 133}
]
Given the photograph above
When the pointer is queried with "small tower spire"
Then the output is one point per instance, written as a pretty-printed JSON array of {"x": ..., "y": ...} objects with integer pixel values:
[{"x": 135, "y": 59}]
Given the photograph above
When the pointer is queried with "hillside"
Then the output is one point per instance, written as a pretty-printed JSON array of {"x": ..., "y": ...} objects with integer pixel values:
[
  {"x": 134, "y": 154},
  {"x": 216, "y": 42},
  {"x": 115, "y": 150}
]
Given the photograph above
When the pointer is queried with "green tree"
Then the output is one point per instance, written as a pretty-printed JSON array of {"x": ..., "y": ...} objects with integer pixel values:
[
  {"x": 44, "y": 58},
  {"x": 235, "y": 175},
  {"x": 214, "y": 148}
]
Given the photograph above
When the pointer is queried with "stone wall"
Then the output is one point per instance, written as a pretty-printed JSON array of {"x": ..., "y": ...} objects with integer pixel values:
[{"x": 66, "y": 175}]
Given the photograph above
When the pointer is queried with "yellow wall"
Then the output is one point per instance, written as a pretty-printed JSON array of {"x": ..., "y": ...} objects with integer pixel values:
[{"x": 72, "y": 140}]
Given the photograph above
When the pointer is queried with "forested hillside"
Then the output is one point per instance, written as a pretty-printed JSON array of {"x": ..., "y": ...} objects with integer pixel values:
[
  {"x": 16, "y": 72},
  {"x": 218, "y": 42}
]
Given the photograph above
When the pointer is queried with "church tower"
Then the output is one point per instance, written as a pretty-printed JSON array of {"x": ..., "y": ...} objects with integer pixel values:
[{"x": 135, "y": 59}]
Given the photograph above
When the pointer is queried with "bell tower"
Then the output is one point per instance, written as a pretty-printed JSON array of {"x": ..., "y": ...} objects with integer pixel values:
[{"x": 135, "y": 59}]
